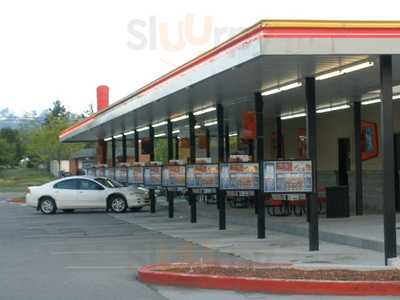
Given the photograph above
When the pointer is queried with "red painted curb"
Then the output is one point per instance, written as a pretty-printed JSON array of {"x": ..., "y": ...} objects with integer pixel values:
[{"x": 148, "y": 274}]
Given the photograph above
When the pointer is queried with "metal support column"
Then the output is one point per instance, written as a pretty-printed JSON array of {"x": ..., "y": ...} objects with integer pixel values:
[
  {"x": 192, "y": 138},
  {"x": 259, "y": 108},
  {"x": 151, "y": 191},
  {"x": 279, "y": 139},
  {"x": 124, "y": 151},
  {"x": 113, "y": 150},
  {"x": 220, "y": 193},
  {"x": 208, "y": 152},
  {"x": 170, "y": 194},
  {"x": 389, "y": 210},
  {"x": 313, "y": 233},
  {"x": 357, "y": 157},
  {"x": 227, "y": 146},
  {"x": 176, "y": 148},
  {"x": 136, "y": 141},
  {"x": 250, "y": 144}
]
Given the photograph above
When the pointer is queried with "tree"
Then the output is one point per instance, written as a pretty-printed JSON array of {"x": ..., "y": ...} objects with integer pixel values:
[
  {"x": 7, "y": 153},
  {"x": 12, "y": 138},
  {"x": 57, "y": 111},
  {"x": 43, "y": 144}
]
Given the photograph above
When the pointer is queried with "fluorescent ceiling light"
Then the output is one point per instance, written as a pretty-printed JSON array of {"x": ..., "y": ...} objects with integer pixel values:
[
  {"x": 396, "y": 97},
  {"x": 160, "y": 135},
  {"x": 117, "y": 136},
  {"x": 129, "y": 132},
  {"x": 332, "y": 108},
  {"x": 372, "y": 101},
  {"x": 211, "y": 123},
  {"x": 233, "y": 134},
  {"x": 142, "y": 129},
  {"x": 176, "y": 131},
  {"x": 282, "y": 88},
  {"x": 159, "y": 124},
  {"x": 358, "y": 67},
  {"x": 293, "y": 116},
  {"x": 329, "y": 75},
  {"x": 108, "y": 139},
  {"x": 203, "y": 111},
  {"x": 197, "y": 126},
  {"x": 184, "y": 117},
  {"x": 345, "y": 70}
]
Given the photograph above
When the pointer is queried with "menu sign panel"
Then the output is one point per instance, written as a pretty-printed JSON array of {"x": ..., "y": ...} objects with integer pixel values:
[
  {"x": 288, "y": 176},
  {"x": 101, "y": 171},
  {"x": 110, "y": 172},
  {"x": 152, "y": 175},
  {"x": 239, "y": 176},
  {"x": 135, "y": 175},
  {"x": 174, "y": 176},
  {"x": 91, "y": 172},
  {"x": 121, "y": 174},
  {"x": 202, "y": 176}
]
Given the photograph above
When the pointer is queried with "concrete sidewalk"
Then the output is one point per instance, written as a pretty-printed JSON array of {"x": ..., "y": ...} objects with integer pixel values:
[
  {"x": 364, "y": 232},
  {"x": 240, "y": 237}
]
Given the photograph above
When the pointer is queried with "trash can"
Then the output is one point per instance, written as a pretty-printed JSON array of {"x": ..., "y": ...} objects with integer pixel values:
[{"x": 338, "y": 204}]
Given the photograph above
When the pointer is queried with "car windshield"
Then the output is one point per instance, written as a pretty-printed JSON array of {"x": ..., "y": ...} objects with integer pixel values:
[{"x": 109, "y": 183}]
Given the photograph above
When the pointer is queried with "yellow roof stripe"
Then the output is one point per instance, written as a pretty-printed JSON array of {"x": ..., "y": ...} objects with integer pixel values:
[{"x": 329, "y": 24}]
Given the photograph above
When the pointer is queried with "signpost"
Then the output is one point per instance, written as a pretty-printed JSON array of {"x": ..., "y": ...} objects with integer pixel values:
[
  {"x": 91, "y": 171},
  {"x": 289, "y": 176},
  {"x": 174, "y": 176},
  {"x": 152, "y": 176},
  {"x": 135, "y": 175},
  {"x": 109, "y": 172},
  {"x": 202, "y": 176},
  {"x": 239, "y": 176},
  {"x": 121, "y": 174}
]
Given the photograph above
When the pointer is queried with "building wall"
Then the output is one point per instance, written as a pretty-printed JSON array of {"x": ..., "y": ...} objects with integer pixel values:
[{"x": 330, "y": 127}]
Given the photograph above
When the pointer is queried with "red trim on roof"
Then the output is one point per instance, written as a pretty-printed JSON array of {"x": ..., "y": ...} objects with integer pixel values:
[{"x": 77, "y": 125}]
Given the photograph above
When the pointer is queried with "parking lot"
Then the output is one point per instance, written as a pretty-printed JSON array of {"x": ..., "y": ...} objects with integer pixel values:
[
  {"x": 94, "y": 255},
  {"x": 85, "y": 255}
]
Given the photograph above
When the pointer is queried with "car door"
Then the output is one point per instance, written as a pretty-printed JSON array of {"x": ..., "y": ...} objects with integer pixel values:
[
  {"x": 65, "y": 193},
  {"x": 91, "y": 194}
]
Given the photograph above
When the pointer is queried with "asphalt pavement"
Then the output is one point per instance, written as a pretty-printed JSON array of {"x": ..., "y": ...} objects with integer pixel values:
[{"x": 94, "y": 255}]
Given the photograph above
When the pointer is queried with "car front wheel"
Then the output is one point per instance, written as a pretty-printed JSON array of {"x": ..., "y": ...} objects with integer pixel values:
[
  {"x": 48, "y": 206},
  {"x": 118, "y": 204}
]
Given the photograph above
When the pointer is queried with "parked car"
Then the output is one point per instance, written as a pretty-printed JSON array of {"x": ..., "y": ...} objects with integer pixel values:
[{"x": 77, "y": 192}]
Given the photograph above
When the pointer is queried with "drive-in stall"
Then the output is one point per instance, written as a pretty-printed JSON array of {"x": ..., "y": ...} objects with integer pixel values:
[{"x": 304, "y": 85}]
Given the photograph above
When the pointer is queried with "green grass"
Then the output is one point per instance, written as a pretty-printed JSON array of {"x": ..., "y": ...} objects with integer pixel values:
[{"x": 17, "y": 180}]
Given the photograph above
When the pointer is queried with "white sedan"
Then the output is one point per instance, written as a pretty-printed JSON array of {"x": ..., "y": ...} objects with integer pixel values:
[{"x": 77, "y": 192}]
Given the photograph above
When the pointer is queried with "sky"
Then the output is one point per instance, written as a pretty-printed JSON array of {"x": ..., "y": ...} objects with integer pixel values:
[{"x": 63, "y": 49}]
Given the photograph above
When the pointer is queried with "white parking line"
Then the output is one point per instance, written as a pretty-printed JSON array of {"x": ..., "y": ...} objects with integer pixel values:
[
  {"x": 132, "y": 252},
  {"x": 101, "y": 267}
]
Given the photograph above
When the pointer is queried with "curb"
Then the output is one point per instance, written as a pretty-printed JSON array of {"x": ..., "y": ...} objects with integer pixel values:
[{"x": 153, "y": 274}]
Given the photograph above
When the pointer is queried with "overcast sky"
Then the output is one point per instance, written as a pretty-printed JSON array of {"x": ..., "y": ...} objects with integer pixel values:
[{"x": 64, "y": 49}]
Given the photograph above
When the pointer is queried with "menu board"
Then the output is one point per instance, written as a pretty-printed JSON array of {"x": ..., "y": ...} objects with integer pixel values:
[
  {"x": 91, "y": 172},
  {"x": 101, "y": 172},
  {"x": 239, "y": 176},
  {"x": 152, "y": 175},
  {"x": 202, "y": 176},
  {"x": 110, "y": 172},
  {"x": 174, "y": 176},
  {"x": 288, "y": 176},
  {"x": 121, "y": 174},
  {"x": 135, "y": 175}
]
